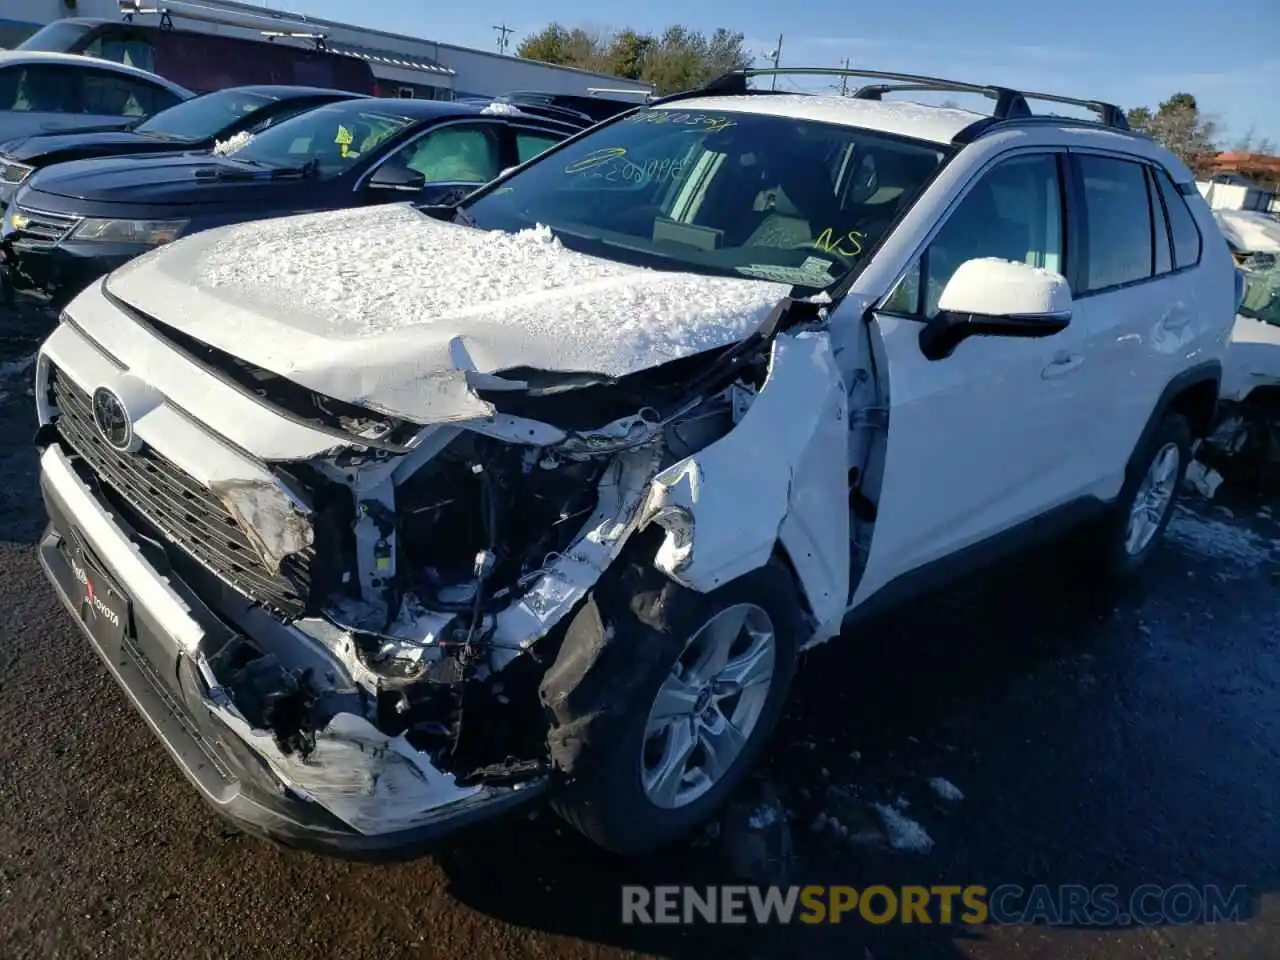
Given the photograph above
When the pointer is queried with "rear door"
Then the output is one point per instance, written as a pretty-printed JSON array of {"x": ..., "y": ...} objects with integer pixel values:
[
  {"x": 983, "y": 439},
  {"x": 1135, "y": 297}
]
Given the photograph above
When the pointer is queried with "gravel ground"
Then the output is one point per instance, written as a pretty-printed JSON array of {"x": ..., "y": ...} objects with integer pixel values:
[{"x": 1091, "y": 739}]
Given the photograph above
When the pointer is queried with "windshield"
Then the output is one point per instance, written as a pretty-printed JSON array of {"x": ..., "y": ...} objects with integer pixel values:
[
  {"x": 332, "y": 138},
  {"x": 773, "y": 198},
  {"x": 58, "y": 37},
  {"x": 203, "y": 117}
]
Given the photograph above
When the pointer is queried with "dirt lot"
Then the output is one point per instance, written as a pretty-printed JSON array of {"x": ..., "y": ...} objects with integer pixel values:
[{"x": 1095, "y": 739}]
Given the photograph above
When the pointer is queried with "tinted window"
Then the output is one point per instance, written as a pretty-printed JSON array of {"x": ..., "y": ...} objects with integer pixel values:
[
  {"x": 1160, "y": 227},
  {"x": 129, "y": 49},
  {"x": 38, "y": 89},
  {"x": 530, "y": 144},
  {"x": 730, "y": 194},
  {"x": 1013, "y": 212},
  {"x": 1186, "y": 235},
  {"x": 1118, "y": 216},
  {"x": 204, "y": 117},
  {"x": 335, "y": 137},
  {"x": 454, "y": 154},
  {"x": 116, "y": 95}
]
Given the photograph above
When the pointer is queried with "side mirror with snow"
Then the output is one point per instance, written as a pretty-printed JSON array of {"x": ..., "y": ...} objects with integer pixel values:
[{"x": 988, "y": 297}]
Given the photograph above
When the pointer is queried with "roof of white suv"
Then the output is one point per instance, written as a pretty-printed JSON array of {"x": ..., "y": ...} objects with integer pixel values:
[
  {"x": 8, "y": 57},
  {"x": 901, "y": 117}
]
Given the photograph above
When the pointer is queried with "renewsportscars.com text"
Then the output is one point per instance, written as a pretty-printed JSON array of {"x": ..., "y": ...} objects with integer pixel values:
[{"x": 1067, "y": 905}]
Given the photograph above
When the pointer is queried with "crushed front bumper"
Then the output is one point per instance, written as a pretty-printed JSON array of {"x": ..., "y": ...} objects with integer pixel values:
[{"x": 145, "y": 628}]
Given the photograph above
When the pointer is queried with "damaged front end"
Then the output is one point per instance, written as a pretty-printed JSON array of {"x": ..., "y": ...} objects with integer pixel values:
[{"x": 396, "y": 600}]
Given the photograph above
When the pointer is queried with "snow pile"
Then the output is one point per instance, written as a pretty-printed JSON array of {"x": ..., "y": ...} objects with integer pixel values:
[
  {"x": 229, "y": 146},
  {"x": 945, "y": 789},
  {"x": 904, "y": 833},
  {"x": 1220, "y": 540},
  {"x": 501, "y": 109},
  {"x": 1249, "y": 230}
]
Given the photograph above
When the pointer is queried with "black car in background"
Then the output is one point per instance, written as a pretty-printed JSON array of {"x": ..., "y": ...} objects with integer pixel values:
[
  {"x": 193, "y": 125},
  {"x": 73, "y": 222}
]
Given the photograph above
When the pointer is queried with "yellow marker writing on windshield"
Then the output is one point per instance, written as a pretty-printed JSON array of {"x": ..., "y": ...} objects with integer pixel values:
[
  {"x": 846, "y": 245},
  {"x": 595, "y": 158},
  {"x": 343, "y": 139}
]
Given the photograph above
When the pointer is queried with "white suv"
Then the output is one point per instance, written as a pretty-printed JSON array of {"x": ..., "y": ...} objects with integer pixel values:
[{"x": 391, "y": 519}]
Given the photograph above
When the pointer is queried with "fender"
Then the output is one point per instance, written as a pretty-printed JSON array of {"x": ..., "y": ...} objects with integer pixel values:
[{"x": 779, "y": 477}]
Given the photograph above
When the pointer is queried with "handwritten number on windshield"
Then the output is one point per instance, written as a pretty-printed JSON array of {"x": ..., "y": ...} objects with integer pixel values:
[{"x": 595, "y": 158}]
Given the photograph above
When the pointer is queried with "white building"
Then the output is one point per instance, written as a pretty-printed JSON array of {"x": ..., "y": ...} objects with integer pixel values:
[{"x": 404, "y": 65}]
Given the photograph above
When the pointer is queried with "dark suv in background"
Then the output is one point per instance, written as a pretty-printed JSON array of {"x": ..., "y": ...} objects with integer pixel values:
[{"x": 204, "y": 61}]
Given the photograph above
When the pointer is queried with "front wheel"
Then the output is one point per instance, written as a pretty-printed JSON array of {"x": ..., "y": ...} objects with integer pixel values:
[
  {"x": 1128, "y": 536},
  {"x": 661, "y": 699}
]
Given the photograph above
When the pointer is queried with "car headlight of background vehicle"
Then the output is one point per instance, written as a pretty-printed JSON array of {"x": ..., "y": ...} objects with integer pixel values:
[
  {"x": 11, "y": 171},
  {"x": 149, "y": 232}
]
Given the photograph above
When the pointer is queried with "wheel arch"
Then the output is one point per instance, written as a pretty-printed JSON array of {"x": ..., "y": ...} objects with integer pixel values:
[{"x": 1193, "y": 393}]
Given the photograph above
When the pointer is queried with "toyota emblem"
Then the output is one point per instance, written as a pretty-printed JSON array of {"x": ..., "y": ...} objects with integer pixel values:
[{"x": 112, "y": 420}]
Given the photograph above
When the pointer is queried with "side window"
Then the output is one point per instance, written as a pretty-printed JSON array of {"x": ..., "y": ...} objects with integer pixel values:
[
  {"x": 1014, "y": 212},
  {"x": 1182, "y": 224},
  {"x": 132, "y": 51},
  {"x": 530, "y": 143},
  {"x": 1159, "y": 228},
  {"x": 116, "y": 95},
  {"x": 454, "y": 154},
  {"x": 38, "y": 89},
  {"x": 1118, "y": 222}
]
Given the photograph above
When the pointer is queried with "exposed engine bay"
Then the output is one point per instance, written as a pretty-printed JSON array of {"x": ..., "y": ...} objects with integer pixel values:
[{"x": 440, "y": 574}]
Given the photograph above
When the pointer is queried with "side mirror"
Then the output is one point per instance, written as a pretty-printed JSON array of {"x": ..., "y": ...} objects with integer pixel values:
[
  {"x": 393, "y": 176},
  {"x": 996, "y": 298}
]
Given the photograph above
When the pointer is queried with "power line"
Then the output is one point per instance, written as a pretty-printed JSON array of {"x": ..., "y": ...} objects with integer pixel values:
[{"x": 503, "y": 33}]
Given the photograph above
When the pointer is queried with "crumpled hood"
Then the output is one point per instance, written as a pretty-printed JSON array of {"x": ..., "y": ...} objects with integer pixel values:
[{"x": 391, "y": 309}]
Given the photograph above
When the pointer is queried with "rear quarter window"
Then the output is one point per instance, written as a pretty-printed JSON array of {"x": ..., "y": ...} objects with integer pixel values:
[{"x": 1187, "y": 242}]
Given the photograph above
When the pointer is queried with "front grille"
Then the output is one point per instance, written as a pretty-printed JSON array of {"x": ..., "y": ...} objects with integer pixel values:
[
  {"x": 180, "y": 508},
  {"x": 41, "y": 227},
  {"x": 13, "y": 172}
]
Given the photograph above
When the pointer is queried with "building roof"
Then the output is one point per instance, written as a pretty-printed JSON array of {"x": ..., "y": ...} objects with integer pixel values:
[{"x": 391, "y": 58}]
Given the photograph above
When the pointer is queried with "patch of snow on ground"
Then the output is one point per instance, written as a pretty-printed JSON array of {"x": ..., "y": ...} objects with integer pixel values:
[
  {"x": 229, "y": 146},
  {"x": 904, "y": 833},
  {"x": 945, "y": 789},
  {"x": 1220, "y": 540}
]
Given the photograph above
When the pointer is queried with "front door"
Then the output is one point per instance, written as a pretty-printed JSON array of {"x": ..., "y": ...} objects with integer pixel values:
[{"x": 985, "y": 438}]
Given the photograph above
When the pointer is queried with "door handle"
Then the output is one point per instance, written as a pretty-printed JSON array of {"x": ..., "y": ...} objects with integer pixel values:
[{"x": 1061, "y": 366}]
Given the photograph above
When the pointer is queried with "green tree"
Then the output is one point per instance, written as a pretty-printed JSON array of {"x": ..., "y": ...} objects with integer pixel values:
[
  {"x": 678, "y": 59},
  {"x": 1180, "y": 127},
  {"x": 550, "y": 45}
]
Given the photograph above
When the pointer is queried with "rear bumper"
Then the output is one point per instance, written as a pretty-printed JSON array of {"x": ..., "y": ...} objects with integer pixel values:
[{"x": 151, "y": 657}]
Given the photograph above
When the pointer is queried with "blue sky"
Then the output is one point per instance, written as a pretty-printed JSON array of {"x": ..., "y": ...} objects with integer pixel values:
[{"x": 1127, "y": 51}]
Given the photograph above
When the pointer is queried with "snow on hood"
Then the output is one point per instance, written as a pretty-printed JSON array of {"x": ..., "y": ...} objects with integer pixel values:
[
  {"x": 389, "y": 308},
  {"x": 1249, "y": 231}
]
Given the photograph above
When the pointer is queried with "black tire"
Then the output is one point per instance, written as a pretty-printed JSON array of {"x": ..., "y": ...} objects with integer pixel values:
[
  {"x": 1115, "y": 564},
  {"x": 620, "y": 647}
]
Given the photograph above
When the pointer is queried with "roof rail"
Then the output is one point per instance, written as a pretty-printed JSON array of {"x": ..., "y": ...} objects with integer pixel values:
[
  {"x": 270, "y": 25},
  {"x": 619, "y": 91},
  {"x": 1011, "y": 104}
]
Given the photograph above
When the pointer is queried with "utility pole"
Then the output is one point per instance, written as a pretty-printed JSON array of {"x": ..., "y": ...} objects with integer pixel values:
[
  {"x": 503, "y": 32},
  {"x": 844, "y": 80},
  {"x": 777, "y": 56}
]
